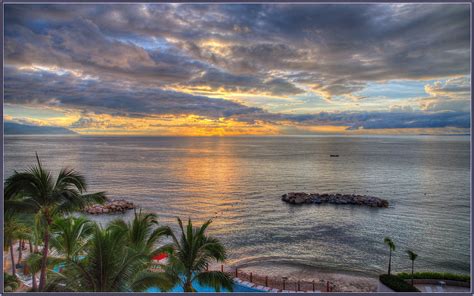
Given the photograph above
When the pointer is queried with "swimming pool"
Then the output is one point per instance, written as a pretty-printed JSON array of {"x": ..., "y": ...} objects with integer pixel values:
[
  {"x": 199, "y": 288},
  {"x": 196, "y": 285}
]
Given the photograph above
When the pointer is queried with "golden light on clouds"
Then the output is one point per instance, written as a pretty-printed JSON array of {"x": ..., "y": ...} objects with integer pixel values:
[
  {"x": 169, "y": 125},
  {"x": 324, "y": 129}
]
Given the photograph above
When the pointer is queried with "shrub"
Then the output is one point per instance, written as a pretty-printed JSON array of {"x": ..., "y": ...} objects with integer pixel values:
[
  {"x": 11, "y": 283},
  {"x": 397, "y": 284},
  {"x": 436, "y": 276}
]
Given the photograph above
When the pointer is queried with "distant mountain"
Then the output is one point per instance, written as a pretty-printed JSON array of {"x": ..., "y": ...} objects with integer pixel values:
[{"x": 11, "y": 128}]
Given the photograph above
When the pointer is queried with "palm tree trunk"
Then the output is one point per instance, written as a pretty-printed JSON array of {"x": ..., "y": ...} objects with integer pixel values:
[
  {"x": 42, "y": 281},
  {"x": 412, "y": 267},
  {"x": 390, "y": 262},
  {"x": 12, "y": 254},
  {"x": 188, "y": 286},
  {"x": 34, "y": 282},
  {"x": 20, "y": 251},
  {"x": 31, "y": 247}
]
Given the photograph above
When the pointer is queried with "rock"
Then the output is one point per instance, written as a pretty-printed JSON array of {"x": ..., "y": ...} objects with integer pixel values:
[
  {"x": 113, "y": 206},
  {"x": 316, "y": 198},
  {"x": 299, "y": 200}
]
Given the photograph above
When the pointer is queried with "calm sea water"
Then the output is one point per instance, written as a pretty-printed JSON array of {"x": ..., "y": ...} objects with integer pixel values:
[{"x": 238, "y": 182}]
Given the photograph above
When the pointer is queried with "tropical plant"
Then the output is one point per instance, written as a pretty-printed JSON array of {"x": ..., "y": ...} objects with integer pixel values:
[
  {"x": 46, "y": 197},
  {"x": 10, "y": 282},
  {"x": 412, "y": 255},
  {"x": 436, "y": 275},
  {"x": 69, "y": 235},
  {"x": 23, "y": 235},
  {"x": 108, "y": 264},
  {"x": 397, "y": 284},
  {"x": 142, "y": 232},
  {"x": 191, "y": 253},
  {"x": 34, "y": 264},
  {"x": 13, "y": 229},
  {"x": 391, "y": 247}
]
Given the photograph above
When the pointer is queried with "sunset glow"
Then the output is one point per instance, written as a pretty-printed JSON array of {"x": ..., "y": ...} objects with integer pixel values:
[{"x": 239, "y": 69}]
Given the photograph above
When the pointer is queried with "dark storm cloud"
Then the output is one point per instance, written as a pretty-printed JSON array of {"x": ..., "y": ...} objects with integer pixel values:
[
  {"x": 217, "y": 79},
  {"x": 358, "y": 42},
  {"x": 391, "y": 120},
  {"x": 119, "y": 100},
  {"x": 120, "y": 59},
  {"x": 111, "y": 98},
  {"x": 382, "y": 120}
]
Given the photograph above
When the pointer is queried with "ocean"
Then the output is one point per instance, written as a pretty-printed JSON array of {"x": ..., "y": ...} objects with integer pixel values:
[{"x": 238, "y": 182}]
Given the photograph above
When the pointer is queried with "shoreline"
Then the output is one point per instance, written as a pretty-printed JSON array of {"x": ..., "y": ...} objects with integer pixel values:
[{"x": 342, "y": 281}]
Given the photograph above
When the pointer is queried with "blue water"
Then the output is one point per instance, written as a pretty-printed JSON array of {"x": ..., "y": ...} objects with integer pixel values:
[
  {"x": 239, "y": 182},
  {"x": 199, "y": 288},
  {"x": 196, "y": 285},
  {"x": 58, "y": 267}
]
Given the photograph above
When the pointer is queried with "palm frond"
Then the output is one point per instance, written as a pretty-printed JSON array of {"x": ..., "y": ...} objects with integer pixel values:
[
  {"x": 68, "y": 178},
  {"x": 145, "y": 280},
  {"x": 215, "y": 279}
]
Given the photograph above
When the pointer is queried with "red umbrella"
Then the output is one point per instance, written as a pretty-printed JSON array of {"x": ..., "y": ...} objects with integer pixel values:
[{"x": 160, "y": 256}]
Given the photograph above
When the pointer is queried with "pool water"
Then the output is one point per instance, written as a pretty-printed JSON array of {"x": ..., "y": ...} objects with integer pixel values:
[
  {"x": 196, "y": 285},
  {"x": 57, "y": 268},
  {"x": 199, "y": 288}
]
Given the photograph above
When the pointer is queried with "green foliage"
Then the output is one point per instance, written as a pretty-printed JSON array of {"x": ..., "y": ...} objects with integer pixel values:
[
  {"x": 103, "y": 259},
  {"x": 436, "y": 276},
  {"x": 397, "y": 284},
  {"x": 36, "y": 191},
  {"x": 70, "y": 234},
  {"x": 13, "y": 229},
  {"x": 412, "y": 255},
  {"x": 115, "y": 258},
  {"x": 191, "y": 253},
  {"x": 143, "y": 232},
  {"x": 11, "y": 283},
  {"x": 389, "y": 243}
]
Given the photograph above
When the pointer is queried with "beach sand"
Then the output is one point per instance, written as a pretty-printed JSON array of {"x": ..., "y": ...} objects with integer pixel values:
[{"x": 344, "y": 282}]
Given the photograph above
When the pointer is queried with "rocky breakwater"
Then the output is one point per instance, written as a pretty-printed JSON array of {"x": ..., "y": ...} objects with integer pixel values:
[
  {"x": 109, "y": 207},
  {"x": 298, "y": 198}
]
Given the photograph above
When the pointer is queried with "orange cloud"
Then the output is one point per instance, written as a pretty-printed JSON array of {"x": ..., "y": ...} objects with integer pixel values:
[{"x": 183, "y": 125}]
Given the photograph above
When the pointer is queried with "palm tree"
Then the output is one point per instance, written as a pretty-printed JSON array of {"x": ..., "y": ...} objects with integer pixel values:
[
  {"x": 34, "y": 264},
  {"x": 142, "y": 232},
  {"x": 23, "y": 235},
  {"x": 391, "y": 247},
  {"x": 69, "y": 235},
  {"x": 412, "y": 255},
  {"x": 12, "y": 230},
  {"x": 47, "y": 197},
  {"x": 109, "y": 264},
  {"x": 189, "y": 256}
]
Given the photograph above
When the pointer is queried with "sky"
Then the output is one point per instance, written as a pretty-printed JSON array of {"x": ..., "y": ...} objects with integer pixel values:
[{"x": 239, "y": 69}]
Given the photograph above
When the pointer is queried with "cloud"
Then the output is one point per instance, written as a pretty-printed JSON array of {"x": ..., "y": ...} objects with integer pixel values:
[
  {"x": 339, "y": 87},
  {"x": 218, "y": 80},
  {"x": 155, "y": 60},
  {"x": 65, "y": 90},
  {"x": 118, "y": 100},
  {"x": 387, "y": 120},
  {"x": 453, "y": 94},
  {"x": 330, "y": 42},
  {"x": 459, "y": 87},
  {"x": 397, "y": 120}
]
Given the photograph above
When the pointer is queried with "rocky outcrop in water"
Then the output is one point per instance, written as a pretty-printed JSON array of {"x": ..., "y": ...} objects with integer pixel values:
[
  {"x": 109, "y": 207},
  {"x": 298, "y": 198}
]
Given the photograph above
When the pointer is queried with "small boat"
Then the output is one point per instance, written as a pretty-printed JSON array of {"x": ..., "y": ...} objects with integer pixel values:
[{"x": 334, "y": 155}]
